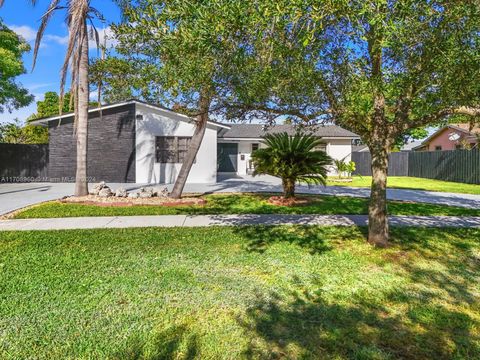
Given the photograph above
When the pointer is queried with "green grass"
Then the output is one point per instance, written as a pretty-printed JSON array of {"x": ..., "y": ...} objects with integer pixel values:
[
  {"x": 404, "y": 182},
  {"x": 245, "y": 292},
  {"x": 243, "y": 204}
]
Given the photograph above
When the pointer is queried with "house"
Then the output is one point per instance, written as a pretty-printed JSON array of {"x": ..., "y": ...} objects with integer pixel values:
[
  {"x": 451, "y": 137},
  {"x": 236, "y": 144},
  {"x": 411, "y": 145},
  {"x": 134, "y": 141}
]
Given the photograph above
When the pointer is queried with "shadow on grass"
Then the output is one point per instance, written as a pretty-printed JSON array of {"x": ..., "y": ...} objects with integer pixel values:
[
  {"x": 312, "y": 238},
  {"x": 176, "y": 342},
  {"x": 305, "y": 325},
  {"x": 448, "y": 262},
  {"x": 430, "y": 315}
]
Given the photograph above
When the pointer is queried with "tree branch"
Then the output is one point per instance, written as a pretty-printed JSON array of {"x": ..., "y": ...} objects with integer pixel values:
[
  {"x": 432, "y": 118},
  {"x": 297, "y": 112}
]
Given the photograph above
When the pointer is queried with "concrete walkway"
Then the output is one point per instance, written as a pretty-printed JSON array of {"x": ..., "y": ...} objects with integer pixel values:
[
  {"x": 110, "y": 222},
  {"x": 16, "y": 196}
]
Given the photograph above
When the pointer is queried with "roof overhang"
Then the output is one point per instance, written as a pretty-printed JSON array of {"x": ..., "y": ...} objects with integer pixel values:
[
  {"x": 260, "y": 139},
  {"x": 45, "y": 121}
]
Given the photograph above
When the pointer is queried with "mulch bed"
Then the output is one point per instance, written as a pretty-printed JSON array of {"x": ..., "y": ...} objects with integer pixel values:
[
  {"x": 120, "y": 202},
  {"x": 281, "y": 201}
]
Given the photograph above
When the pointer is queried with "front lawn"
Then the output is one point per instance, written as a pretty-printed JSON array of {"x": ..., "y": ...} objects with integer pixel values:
[
  {"x": 244, "y": 204},
  {"x": 230, "y": 293},
  {"x": 404, "y": 182}
]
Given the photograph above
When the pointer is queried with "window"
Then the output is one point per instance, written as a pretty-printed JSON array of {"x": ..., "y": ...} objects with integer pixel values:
[
  {"x": 171, "y": 149},
  {"x": 321, "y": 147},
  {"x": 458, "y": 147},
  {"x": 255, "y": 147},
  {"x": 438, "y": 148}
]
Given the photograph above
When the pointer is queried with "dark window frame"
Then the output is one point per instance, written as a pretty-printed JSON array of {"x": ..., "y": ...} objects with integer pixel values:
[
  {"x": 438, "y": 148},
  {"x": 321, "y": 147},
  {"x": 171, "y": 149}
]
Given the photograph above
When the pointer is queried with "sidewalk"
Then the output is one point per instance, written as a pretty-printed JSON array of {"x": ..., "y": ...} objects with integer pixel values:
[{"x": 110, "y": 222}]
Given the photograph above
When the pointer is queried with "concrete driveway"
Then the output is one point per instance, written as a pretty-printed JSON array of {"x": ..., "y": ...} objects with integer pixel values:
[{"x": 15, "y": 196}]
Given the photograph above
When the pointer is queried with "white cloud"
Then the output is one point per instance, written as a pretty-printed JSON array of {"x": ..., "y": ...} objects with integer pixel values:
[
  {"x": 61, "y": 40},
  {"x": 24, "y": 31},
  {"x": 30, "y": 34},
  {"x": 35, "y": 86},
  {"x": 106, "y": 37}
]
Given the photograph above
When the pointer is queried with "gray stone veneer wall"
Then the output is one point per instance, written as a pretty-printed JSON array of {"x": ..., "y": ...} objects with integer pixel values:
[{"x": 111, "y": 147}]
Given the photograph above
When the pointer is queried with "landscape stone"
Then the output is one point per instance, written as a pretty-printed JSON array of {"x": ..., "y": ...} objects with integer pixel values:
[
  {"x": 161, "y": 192},
  {"x": 121, "y": 192},
  {"x": 145, "y": 194},
  {"x": 105, "y": 192},
  {"x": 97, "y": 187}
]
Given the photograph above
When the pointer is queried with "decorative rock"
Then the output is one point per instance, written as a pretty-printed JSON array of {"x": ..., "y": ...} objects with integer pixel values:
[
  {"x": 133, "y": 196},
  {"x": 97, "y": 187},
  {"x": 150, "y": 190},
  {"x": 105, "y": 192},
  {"x": 121, "y": 192},
  {"x": 162, "y": 192},
  {"x": 145, "y": 194}
]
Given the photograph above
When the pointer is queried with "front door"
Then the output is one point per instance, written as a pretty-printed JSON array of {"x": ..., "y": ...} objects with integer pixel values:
[{"x": 227, "y": 155}]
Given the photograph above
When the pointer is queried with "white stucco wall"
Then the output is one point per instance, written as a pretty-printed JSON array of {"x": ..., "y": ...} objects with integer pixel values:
[
  {"x": 336, "y": 148},
  {"x": 339, "y": 149},
  {"x": 157, "y": 122}
]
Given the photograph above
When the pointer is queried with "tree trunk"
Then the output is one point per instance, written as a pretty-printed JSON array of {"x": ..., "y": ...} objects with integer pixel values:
[
  {"x": 288, "y": 188},
  {"x": 377, "y": 210},
  {"x": 81, "y": 184},
  {"x": 202, "y": 118}
]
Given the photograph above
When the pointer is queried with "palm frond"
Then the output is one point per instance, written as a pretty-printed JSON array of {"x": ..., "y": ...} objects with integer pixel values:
[
  {"x": 292, "y": 158},
  {"x": 41, "y": 30}
]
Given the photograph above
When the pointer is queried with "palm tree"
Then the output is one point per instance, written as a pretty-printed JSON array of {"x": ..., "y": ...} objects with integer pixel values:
[
  {"x": 79, "y": 13},
  {"x": 293, "y": 159},
  {"x": 341, "y": 166}
]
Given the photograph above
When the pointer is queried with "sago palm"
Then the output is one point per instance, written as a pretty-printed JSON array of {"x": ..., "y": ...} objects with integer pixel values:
[
  {"x": 293, "y": 159},
  {"x": 79, "y": 13}
]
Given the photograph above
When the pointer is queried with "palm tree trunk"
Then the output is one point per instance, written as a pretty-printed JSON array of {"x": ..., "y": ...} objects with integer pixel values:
[
  {"x": 288, "y": 188},
  {"x": 377, "y": 210},
  {"x": 202, "y": 119},
  {"x": 81, "y": 184}
]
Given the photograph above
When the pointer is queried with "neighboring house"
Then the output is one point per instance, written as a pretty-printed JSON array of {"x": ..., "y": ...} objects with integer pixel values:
[
  {"x": 411, "y": 145},
  {"x": 360, "y": 148},
  {"x": 451, "y": 137},
  {"x": 138, "y": 142}
]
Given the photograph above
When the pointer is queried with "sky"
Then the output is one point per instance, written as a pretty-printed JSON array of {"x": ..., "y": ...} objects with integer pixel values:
[{"x": 24, "y": 19}]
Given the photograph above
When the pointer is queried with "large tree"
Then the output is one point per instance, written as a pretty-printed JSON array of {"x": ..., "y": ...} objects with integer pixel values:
[
  {"x": 12, "y": 47},
  {"x": 184, "y": 54},
  {"x": 79, "y": 15},
  {"x": 379, "y": 68}
]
